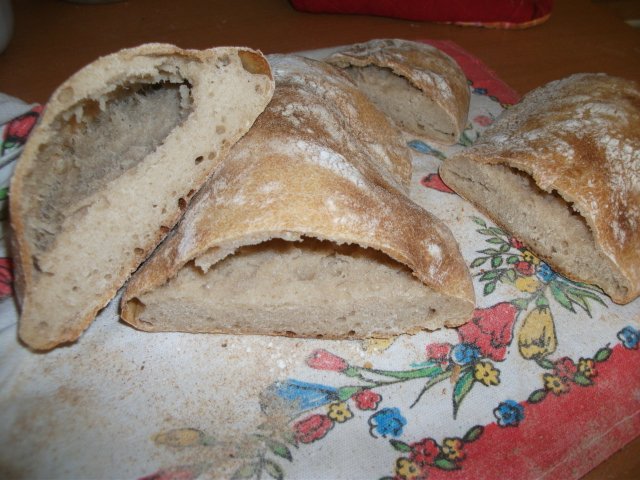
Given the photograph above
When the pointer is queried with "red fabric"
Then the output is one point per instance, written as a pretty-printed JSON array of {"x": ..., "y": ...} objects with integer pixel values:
[
  {"x": 454, "y": 11},
  {"x": 562, "y": 436}
]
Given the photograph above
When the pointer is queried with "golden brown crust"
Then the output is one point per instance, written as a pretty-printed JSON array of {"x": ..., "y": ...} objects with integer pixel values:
[
  {"x": 428, "y": 69},
  {"x": 580, "y": 137},
  {"x": 306, "y": 170}
]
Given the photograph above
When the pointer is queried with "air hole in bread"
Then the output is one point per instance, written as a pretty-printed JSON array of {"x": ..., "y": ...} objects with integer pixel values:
[
  {"x": 544, "y": 221},
  {"x": 182, "y": 203},
  {"x": 98, "y": 141},
  {"x": 254, "y": 63},
  {"x": 278, "y": 285},
  {"x": 138, "y": 251},
  {"x": 220, "y": 129},
  {"x": 199, "y": 159},
  {"x": 402, "y": 102}
]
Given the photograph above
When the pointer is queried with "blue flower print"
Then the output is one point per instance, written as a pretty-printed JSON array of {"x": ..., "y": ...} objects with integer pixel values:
[
  {"x": 629, "y": 336},
  {"x": 420, "y": 146},
  {"x": 388, "y": 421},
  {"x": 545, "y": 273},
  {"x": 303, "y": 395},
  {"x": 480, "y": 91},
  {"x": 465, "y": 353},
  {"x": 509, "y": 413}
]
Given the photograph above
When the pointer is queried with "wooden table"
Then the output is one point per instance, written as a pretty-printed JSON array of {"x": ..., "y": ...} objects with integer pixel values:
[{"x": 53, "y": 39}]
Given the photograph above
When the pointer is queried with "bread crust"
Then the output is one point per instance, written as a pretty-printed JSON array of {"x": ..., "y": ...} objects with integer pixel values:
[
  {"x": 306, "y": 170},
  {"x": 99, "y": 79},
  {"x": 579, "y": 137},
  {"x": 433, "y": 73}
]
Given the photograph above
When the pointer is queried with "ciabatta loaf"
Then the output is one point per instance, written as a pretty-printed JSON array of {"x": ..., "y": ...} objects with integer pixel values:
[
  {"x": 121, "y": 148},
  {"x": 420, "y": 87},
  {"x": 561, "y": 171},
  {"x": 304, "y": 230}
]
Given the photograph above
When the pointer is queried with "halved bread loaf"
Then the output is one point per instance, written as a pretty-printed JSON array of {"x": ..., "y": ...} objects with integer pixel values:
[
  {"x": 121, "y": 148},
  {"x": 304, "y": 230},
  {"x": 561, "y": 171},
  {"x": 420, "y": 87}
]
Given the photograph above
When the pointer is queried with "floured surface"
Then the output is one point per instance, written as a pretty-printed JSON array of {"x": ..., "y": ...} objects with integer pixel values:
[{"x": 122, "y": 403}]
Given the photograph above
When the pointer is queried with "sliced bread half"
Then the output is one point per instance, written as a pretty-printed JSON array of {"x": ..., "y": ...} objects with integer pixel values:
[{"x": 122, "y": 147}]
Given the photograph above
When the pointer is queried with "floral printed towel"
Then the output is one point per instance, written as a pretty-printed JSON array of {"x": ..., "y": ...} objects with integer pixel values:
[
  {"x": 16, "y": 121},
  {"x": 542, "y": 383}
]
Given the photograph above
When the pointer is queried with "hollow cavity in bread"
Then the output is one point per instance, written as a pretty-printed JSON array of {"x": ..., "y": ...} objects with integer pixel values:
[
  {"x": 96, "y": 142},
  {"x": 406, "y": 104},
  {"x": 545, "y": 221},
  {"x": 307, "y": 288}
]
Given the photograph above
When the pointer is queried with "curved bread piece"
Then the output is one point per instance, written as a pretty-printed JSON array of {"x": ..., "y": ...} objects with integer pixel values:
[
  {"x": 561, "y": 171},
  {"x": 301, "y": 232},
  {"x": 421, "y": 88},
  {"x": 121, "y": 148}
]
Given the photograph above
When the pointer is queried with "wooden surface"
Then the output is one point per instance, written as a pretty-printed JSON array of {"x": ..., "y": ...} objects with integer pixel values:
[{"x": 54, "y": 38}]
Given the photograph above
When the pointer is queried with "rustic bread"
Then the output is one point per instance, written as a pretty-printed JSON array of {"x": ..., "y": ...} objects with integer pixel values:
[
  {"x": 561, "y": 171},
  {"x": 304, "y": 230},
  {"x": 420, "y": 87},
  {"x": 121, "y": 148}
]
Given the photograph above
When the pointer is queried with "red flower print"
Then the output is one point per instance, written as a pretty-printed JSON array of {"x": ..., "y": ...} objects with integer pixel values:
[
  {"x": 483, "y": 120},
  {"x": 174, "y": 473},
  {"x": 434, "y": 181},
  {"x": 424, "y": 452},
  {"x": 515, "y": 243},
  {"x": 312, "y": 428},
  {"x": 525, "y": 268},
  {"x": 18, "y": 129},
  {"x": 491, "y": 329},
  {"x": 324, "y": 360},
  {"x": 438, "y": 351},
  {"x": 367, "y": 400},
  {"x": 565, "y": 369},
  {"x": 6, "y": 278}
]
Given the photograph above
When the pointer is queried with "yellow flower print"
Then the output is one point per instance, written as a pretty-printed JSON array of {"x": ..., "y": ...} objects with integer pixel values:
[
  {"x": 587, "y": 367},
  {"x": 527, "y": 284},
  {"x": 555, "y": 384},
  {"x": 452, "y": 448},
  {"x": 485, "y": 373},
  {"x": 528, "y": 256},
  {"x": 180, "y": 437},
  {"x": 407, "y": 469},
  {"x": 537, "y": 335},
  {"x": 339, "y": 412}
]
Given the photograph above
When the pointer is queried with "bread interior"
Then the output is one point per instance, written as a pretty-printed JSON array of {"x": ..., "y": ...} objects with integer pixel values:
[
  {"x": 544, "y": 221},
  {"x": 97, "y": 141},
  {"x": 278, "y": 286},
  {"x": 409, "y": 107}
]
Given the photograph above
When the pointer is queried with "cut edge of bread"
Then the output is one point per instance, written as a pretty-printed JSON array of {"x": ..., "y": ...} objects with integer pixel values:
[
  {"x": 61, "y": 286},
  {"x": 568, "y": 244},
  {"x": 161, "y": 289}
]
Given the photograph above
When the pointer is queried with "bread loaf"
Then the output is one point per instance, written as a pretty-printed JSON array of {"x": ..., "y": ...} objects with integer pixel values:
[
  {"x": 122, "y": 147},
  {"x": 304, "y": 230},
  {"x": 420, "y": 87},
  {"x": 561, "y": 171}
]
